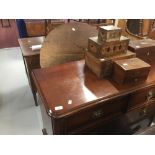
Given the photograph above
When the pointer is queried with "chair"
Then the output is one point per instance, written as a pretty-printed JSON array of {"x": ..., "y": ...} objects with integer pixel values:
[
  {"x": 5, "y": 23},
  {"x": 66, "y": 43}
]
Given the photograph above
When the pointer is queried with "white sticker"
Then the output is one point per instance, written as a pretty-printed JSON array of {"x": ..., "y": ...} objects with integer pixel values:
[
  {"x": 69, "y": 101},
  {"x": 50, "y": 111},
  {"x": 143, "y": 43},
  {"x": 125, "y": 64},
  {"x": 59, "y": 108},
  {"x": 137, "y": 46},
  {"x": 73, "y": 29},
  {"x": 36, "y": 47}
]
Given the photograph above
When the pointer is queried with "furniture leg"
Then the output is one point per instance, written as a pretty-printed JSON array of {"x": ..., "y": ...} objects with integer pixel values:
[
  {"x": 151, "y": 120},
  {"x": 35, "y": 97},
  {"x": 44, "y": 131},
  {"x": 9, "y": 25}
]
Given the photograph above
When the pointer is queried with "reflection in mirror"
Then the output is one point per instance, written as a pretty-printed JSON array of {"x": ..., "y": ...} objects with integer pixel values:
[
  {"x": 133, "y": 26},
  {"x": 140, "y": 27},
  {"x": 136, "y": 28}
]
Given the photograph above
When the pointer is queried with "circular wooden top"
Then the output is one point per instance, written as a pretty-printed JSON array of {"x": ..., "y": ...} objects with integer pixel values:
[{"x": 65, "y": 43}]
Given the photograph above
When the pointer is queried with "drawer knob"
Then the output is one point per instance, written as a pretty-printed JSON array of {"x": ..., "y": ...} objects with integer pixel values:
[
  {"x": 97, "y": 114},
  {"x": 148, "y": 53},
  {"x": 136, "y": 79},
  {"x": 143, "y": 112},
  {"x": 150, "y": 95}
]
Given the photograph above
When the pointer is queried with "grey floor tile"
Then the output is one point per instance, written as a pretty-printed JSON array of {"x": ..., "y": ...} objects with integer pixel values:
[{"x": 18, "y": 113}]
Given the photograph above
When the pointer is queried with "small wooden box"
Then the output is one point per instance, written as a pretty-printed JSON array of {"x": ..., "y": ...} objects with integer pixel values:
[
  {"x": 144, "y": 49},
  {"x": 109, "y": 33},
  {"x": 130, "y": 70},
  {"x": 104, "y": 67},
  {"x": 107, "y": 49},
  {"x": 94, "y": 46},
  {"x": 114, "y": 47}
]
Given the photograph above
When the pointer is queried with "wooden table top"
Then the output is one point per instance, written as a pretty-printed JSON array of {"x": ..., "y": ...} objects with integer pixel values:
[
  {"x": 65, "y": 43},
  {"x": 27, "y": 43},
  {"x": 142, "y": 43},
  {"x": 68, "y": 87}
]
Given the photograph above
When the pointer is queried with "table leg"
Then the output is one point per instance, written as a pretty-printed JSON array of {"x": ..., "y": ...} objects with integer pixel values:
[
  {"x": 44, "y": 131},
  {"x": 150, "y": 120},
  {"x": 35, "y": 97}
]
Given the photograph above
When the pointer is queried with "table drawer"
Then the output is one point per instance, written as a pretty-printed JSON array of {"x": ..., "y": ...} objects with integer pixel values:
[
  {"x": 146, "y": 111},
  {"x": 97, "y": 113},
  {"x": 141, "y": 96},
  {"x": 136, "y": 115},
  {"x": 151, "y": 108},
  {"x": 35, "y": 62}
]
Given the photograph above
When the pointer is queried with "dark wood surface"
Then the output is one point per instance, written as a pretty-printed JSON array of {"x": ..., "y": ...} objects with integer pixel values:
[
  {"x": 31, "y": 58},
  {"x": 71, "y": 81},
  {"x": 144, "y": 49},
  {"x": 65, "y": 43},
  {"x": 93, "y": 101}
]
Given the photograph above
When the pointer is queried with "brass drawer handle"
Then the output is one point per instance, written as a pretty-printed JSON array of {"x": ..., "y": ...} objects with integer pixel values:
[
  {"x": 150, "y": 95},
  {"x": 143, "y": 112},
  {"x": 97, "y": 114},
  {"x": 148, "y": 53}
]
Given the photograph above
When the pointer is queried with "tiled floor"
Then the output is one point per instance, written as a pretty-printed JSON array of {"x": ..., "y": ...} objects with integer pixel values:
[{"x": 18, "y": 113}]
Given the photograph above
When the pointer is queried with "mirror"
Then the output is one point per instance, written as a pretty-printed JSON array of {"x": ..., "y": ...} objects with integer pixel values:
[{"x": 140, "y": 27}]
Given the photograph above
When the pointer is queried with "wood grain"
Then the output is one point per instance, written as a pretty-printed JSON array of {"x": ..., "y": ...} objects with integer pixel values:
[{"x": 66, "y": 43}]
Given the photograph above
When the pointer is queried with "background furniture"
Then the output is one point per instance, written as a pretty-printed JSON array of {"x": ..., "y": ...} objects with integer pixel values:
[
  {"x": 35, "y": 27},
  {"x": 140, "y": 27},
  {"x": 65, "y": 43},
  {"x": 5, "y": 23},
  {"x": 152, "y": 34},
  {"x": 41, "y": 27},
  {"x": 31, "y": 58},
  {"x": 136, "y": 29}
]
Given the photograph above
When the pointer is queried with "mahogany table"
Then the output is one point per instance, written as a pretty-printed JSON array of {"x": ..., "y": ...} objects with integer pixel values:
[
  {"x": 31, "y": 58},
  {"x": 74, "y": 101}
]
